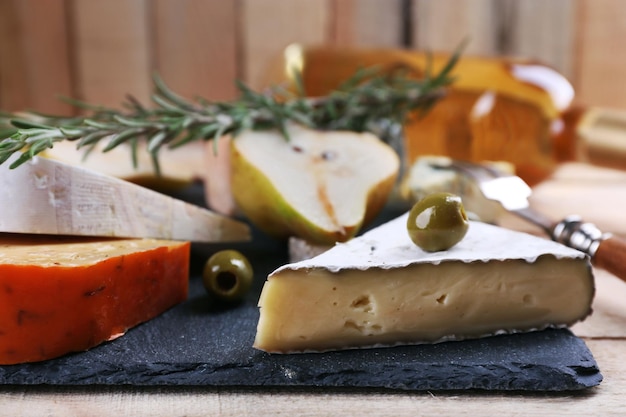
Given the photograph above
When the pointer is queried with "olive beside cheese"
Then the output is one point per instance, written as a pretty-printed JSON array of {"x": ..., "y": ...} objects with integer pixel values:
[{"x": 227, "y": 276}]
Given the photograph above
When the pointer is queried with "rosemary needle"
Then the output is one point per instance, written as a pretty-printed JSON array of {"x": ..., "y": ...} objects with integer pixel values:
[{"x": 358, "y": 105}]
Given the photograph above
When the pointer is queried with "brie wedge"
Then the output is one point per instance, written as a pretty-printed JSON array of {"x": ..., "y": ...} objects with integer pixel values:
[{"x": 382, "y": 290}]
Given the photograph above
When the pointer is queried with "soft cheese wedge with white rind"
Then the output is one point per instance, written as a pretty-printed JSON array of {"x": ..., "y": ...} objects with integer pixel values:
[{"x": 381, "y": 290}]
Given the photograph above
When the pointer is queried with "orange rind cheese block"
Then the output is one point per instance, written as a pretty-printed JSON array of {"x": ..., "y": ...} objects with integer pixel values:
[{"x": 65, "y": 294}]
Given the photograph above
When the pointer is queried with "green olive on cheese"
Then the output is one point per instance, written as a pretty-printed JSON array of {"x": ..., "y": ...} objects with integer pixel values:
[
  {"x": 437, "y": 222},
  {"x": 227, "y": 275}
]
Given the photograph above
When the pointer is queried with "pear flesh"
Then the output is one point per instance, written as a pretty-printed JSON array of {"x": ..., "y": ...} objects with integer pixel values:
[{"x": 321, "y": 186}]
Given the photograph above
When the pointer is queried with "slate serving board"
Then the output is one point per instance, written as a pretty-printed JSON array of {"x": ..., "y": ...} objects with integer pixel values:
[{"x": 200, "y": 343}]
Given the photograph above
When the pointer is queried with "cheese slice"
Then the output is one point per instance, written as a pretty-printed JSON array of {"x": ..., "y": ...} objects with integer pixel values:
[
  {"x": 380, "y": 289},
  {"x": 45, "y": 196},
  {"x": 60, "y": 294}
]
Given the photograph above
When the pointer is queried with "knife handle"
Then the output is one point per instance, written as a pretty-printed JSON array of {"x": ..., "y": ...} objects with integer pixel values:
[
  {"x": 611, "y": 256},
  {"x": 606, "y": 251}
]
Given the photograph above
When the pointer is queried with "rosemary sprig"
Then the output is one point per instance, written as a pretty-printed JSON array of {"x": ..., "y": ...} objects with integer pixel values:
[{"x": 361, "y": 102}]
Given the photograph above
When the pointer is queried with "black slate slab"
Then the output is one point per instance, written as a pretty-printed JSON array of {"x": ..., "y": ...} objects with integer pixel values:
[
  {"x": 197, "y": 343},
  {"x": 194, "y": 344}
]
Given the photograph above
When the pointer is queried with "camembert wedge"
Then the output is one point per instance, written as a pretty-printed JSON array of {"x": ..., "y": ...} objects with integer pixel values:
[{"x": 381, "y": 290}]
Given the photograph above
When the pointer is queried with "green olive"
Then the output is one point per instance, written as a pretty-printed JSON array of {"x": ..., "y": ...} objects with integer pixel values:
[
  {"x": 437, "y": 222},
  {"x": 227, "y": 275}
]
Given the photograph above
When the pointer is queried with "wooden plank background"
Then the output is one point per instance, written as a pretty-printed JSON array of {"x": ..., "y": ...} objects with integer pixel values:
[{"x": 101, "y": 50}]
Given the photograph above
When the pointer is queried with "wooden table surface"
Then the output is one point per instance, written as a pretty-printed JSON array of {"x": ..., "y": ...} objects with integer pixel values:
[{"x": 599, "y": 195}]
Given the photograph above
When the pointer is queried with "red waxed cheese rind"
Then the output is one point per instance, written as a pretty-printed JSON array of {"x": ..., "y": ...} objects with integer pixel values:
[{"x": 48, "y": 309}]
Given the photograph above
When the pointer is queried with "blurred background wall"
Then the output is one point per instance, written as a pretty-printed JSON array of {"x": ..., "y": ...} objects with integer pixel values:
[{"x": 101, "y": 50}]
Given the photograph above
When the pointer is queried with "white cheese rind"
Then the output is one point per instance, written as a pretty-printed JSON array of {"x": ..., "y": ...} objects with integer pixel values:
[
  {"x": 380, "y": 289},
  {"x": 389, "y": 246}
]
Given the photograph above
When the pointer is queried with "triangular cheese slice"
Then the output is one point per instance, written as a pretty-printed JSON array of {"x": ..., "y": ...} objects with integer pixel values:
[
  {"x": 44, "y": 196},
  {"x": 380, "y": 289}
]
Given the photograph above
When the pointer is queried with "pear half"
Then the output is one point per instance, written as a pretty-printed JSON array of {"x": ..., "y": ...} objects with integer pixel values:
[{"x": 321, "y": 186}]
